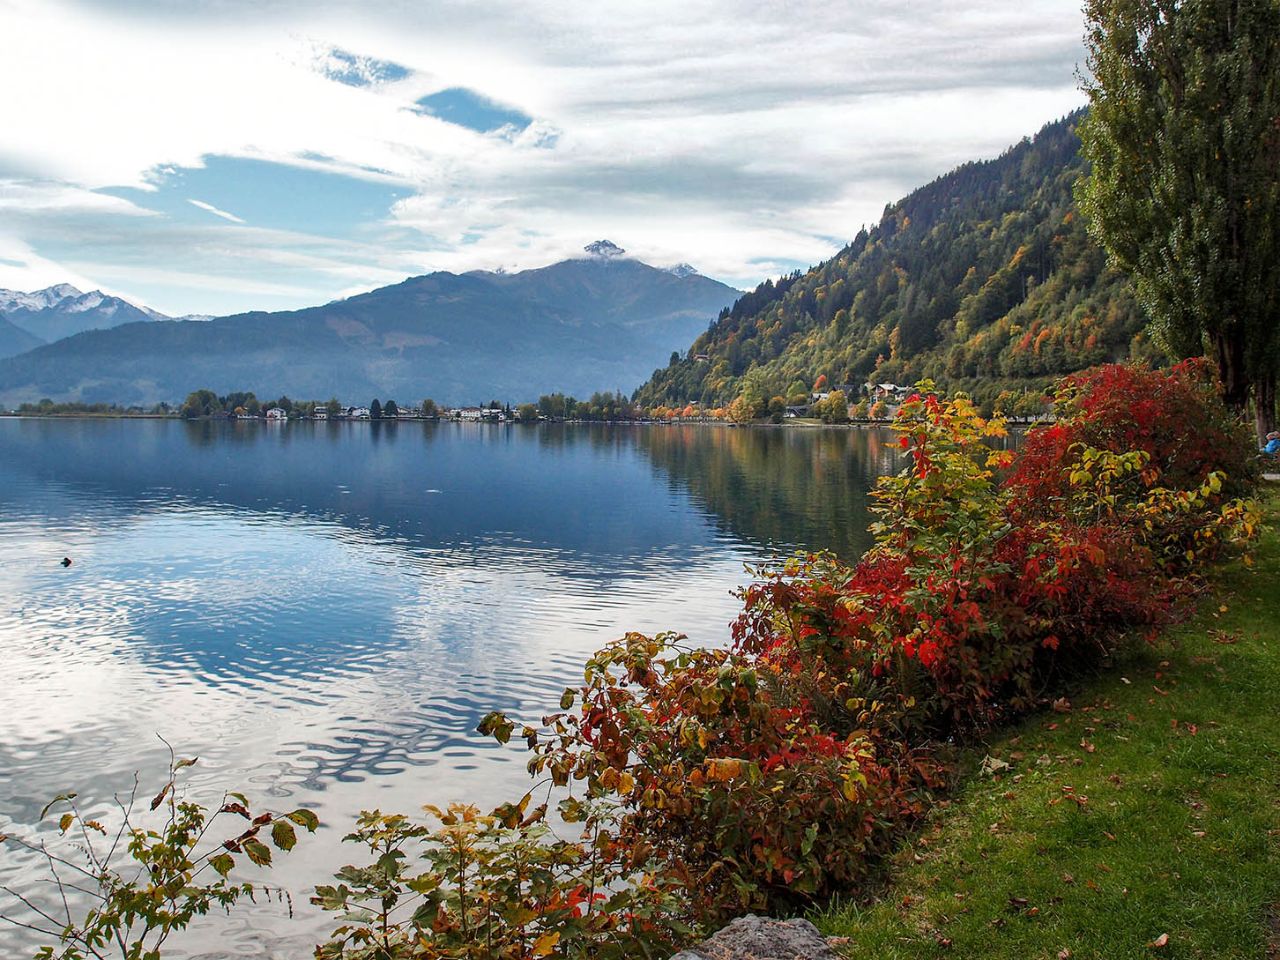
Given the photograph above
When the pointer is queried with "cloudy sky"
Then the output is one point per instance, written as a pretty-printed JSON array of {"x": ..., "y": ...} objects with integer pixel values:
[{"x": 210, "y": 156}]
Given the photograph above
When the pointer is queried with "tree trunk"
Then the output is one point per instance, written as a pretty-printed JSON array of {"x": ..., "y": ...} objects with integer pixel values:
[
  {"x": 1264, "y": 405},
  {"x": 1228, "y": 348}
]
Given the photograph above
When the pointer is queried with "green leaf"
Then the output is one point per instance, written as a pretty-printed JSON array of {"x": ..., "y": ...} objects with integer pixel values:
[
  {"x": 497, "y": 725},
  {"x": 257, "y": 852},
  {"x": 566, "y": 699},
  {"x": 283, "y": 835},
  {"x": 572, "y": 810},
  {"x": 305, "y": 819},
  {"x": 223, "y": 863},
  {"x": 389, "y": 862}
]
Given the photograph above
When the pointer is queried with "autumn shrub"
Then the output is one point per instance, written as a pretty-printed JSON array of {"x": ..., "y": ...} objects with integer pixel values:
[
  {"x": 779, "y": 769},
  {"x": 502, "y": 886},
  {"x": 1154, "y": 454},
  {"x": 1174, "y": 416},
  {"x": 128, "y": 886},
  {"x": 724, "y": 773}
]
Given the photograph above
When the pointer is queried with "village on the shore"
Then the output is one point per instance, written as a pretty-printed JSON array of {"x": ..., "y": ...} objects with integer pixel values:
[{"x": 842, "y": 404}]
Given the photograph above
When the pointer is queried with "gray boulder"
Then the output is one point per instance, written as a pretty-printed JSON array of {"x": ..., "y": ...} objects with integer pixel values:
[{"x": 759, "y": 938}]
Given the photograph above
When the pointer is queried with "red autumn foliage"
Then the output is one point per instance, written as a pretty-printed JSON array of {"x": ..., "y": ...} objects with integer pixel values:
[
  {"x": 1175, "y": 416},
  {"x": 776, "y": 771}
]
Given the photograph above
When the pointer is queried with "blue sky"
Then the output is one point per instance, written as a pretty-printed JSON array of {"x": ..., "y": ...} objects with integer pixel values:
[{"x": 212, "y": 157}]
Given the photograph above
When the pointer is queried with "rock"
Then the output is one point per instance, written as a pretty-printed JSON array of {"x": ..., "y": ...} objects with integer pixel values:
[{"x": 759, "y": 938}]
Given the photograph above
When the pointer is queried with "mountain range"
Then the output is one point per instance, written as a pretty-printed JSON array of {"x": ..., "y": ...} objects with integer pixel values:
[
  {"x": 598, "y": 322},
  {"x": 985, "y": 280},
  {"x": 28, "y": 320}
]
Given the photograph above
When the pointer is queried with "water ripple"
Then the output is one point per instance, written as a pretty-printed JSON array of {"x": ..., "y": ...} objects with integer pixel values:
[{"x": 323, "y": 619}]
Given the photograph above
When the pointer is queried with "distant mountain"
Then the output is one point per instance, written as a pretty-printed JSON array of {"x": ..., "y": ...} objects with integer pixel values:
[
  {"x": 985, "y": 279},
  {"x": 15, "y": 340},
  {"x": 62, "y": 311},
  {"x": 599, "y": 322}
]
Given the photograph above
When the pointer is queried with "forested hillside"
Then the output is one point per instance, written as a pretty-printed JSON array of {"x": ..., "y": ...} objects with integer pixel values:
[{"x": 984, "y": 280}]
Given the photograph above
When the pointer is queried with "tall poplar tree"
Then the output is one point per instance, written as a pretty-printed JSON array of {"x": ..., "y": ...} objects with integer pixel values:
[{"x": 1184, "y": 192}]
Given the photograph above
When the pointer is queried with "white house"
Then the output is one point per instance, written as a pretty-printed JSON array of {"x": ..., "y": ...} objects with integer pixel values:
[
  {"x": 886, "y": 391},
  {"x": 320, "y": 413},
  {"x": 275, "y": 413},
  {"x": 358, "y": 413}
]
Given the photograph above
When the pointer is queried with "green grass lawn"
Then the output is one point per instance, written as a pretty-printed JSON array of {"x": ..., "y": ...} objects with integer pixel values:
[{"x": 1149, "y": 809}]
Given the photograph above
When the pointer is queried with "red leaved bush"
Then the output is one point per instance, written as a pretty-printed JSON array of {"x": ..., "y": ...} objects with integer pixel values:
[
  {"x": 779, "y": 769},
  {"x": 1175, "y": 416}
]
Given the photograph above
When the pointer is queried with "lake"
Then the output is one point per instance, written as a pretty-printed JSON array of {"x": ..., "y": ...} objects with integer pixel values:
[{"x": 323, "y": 611}]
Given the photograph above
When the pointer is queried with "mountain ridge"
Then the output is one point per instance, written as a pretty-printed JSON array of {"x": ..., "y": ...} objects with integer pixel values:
[
  {"x": 585, "y": 324},
  {"x": 60, "y": 311}
]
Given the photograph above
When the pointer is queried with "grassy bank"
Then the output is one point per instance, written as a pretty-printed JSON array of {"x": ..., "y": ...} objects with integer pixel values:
[{"x": 1148, "y": 809}]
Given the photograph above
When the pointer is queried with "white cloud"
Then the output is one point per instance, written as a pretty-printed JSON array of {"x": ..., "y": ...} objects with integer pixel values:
[
  {"x": 21, "y": 268},
  {"x": 214, "y": 210},
  {"x": 51, "y": 199},
  {"x": 741, "y": 137}
]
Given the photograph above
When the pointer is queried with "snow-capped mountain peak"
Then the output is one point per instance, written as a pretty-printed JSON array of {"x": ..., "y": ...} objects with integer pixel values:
[
  {"x": 92, "y": 301},
  {"x": 605, "y": 249},
  {"x": 683, "y": 270},
  {"x": 63, "y": 311},
  {"x": 37, "y": 299}
]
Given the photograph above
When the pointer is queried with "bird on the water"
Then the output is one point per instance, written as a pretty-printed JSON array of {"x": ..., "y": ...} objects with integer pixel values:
[{"x": 66, "y": 561}]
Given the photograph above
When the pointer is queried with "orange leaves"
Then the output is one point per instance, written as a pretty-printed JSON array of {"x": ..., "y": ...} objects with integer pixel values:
[{"x": 722, "y": 771}]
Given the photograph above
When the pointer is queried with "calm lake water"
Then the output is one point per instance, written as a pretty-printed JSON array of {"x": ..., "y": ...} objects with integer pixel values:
[{"x": 322, "y": 612}]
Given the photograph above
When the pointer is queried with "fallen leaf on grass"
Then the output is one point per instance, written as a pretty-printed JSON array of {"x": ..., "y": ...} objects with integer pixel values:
[
  {"x": 1159, "y": 941},
  {"x": 1064, "y": 954},
  {"x": 992, "y": 766}
]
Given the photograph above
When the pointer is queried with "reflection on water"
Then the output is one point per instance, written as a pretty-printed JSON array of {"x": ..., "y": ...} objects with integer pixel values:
[{"x": 322, "y": 612}]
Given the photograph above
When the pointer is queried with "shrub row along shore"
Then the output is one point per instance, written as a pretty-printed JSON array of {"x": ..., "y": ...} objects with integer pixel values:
[
  {"x": 1134, "y": 819},
  {"x": 780, "y": 772}
]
